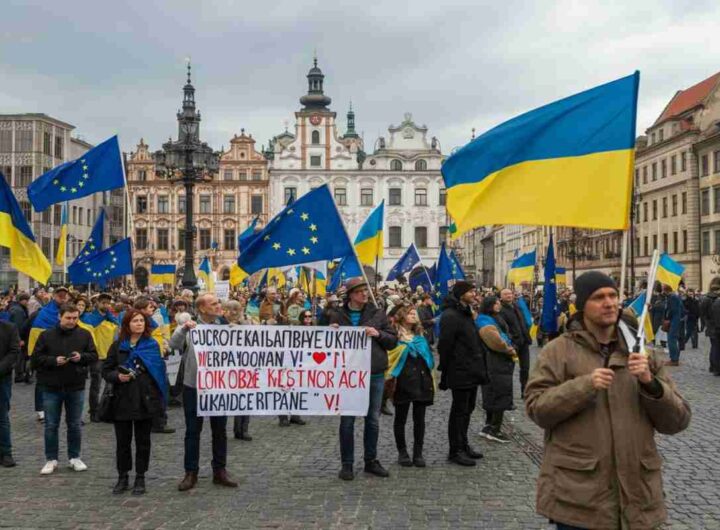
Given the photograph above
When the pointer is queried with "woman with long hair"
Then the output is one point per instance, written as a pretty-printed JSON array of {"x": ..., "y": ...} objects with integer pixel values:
[
  {"x": 501, "y": 358},
  {"x": 135, "y": 367},
  {"x": 410, "y": 367}
]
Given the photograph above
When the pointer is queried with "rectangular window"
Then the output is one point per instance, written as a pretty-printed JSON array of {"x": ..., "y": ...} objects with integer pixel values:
[
  {"x": 664, "y": 207},
  {"x": 242, "y": 175},
  {"x": 141, "y": 204},
  {"x": 637, "y": 177},
  {"x": 181, "y": 203},
  {"x": 141, "y": 241},
  {"x": 340, "y": 196},
  {"x": 227, "y": 174},
  {"x": 7, "y": 171},
  {"x": 654, "y": 171},
  {"x": 58, "y": 146},
  {"x": 257, "y": 174},
  {"x": 47, "y": 143},
  {"x": 644, "y": 174},
  {"x": 645, "y": 211},
  {"x": 89, "y": 217},
  {"x": 204, "y": 204},
  {"x": 442, "y": 200},
  {"x": 717, "y": 241},
  {"x": 705, "y": 202},
  {"x": 181, "y": 239},
  {"x": 315, "y": 161},
  {"x": 673, "y": 165},
  {"x": 142, "y": 175},
  {"x": 229, "y": 204},
  {"x": 716, "y": 162},
  {"x": 421, "y": 237},
  {"x": 46, "y": 246},
  {"x": 5, "y": 142},
  {"x": 80, "y": 215},
  {"x": 683, "y": 161},
  {"x": 395, "y": 198},
  {"x": 420, "y": 196},
  {"x": 685, "y": 240},
  {"x": 163, "y": 204},
  {"x": 442, "y": 234},
  {"x": 162, "y": 239},
  {"x": 655, "y": 241},
  {"x": 24, "y": 177},
  {"x": 205, "y": 240},
  {"x": 256, "y": 204},
  {"x": 366, "y": 197},
  {"x": 46, "y": 216},
  {"x": 23, "y": 141},
  {"x": 716, "y": 199},
  {"x": 229, "y": 239},
  {"x": 705, "y": 243},
  {"x": 654, "y": 209},
  {"x": 73, "y": 217},
  {"x": 395, "y": 236},
  {"x": 290, "y": 194},
  {"x": 663, "y": 167},
  {"x": 683, "y": 202},
  {"x": 704, "y": 166},
  {"x": 645, "y": 246},
  {"x": 661, "y": 135},
  {"x": 674, "y": 205},
  {"x": 665, "y": 243},
  {"x": 57, "y": 214}
]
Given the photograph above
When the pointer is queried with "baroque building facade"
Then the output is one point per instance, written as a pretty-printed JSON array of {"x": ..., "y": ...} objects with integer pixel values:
[{"x": 403, "y": 168}]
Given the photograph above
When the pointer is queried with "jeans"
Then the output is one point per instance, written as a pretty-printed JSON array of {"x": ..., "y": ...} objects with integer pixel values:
[
  {"x": 123, "y": 447},
  {"x": 401, "y": 414},
  {"x": 95, "y": 383},
  {"x": 691, "y": 332},
  {"x": 715, "y": 355},
  {"x": 674, "y": 346},
  {"x": 463, "y": 404},
  {"x": 5, "y": 395},
  {"x": 53, "y": 402},
  {"x": 38, "y": 398},
  {"x": 193, "y": 428},
  {"x": 524, "y": 358},
  {"x": 371, "y": 430}
]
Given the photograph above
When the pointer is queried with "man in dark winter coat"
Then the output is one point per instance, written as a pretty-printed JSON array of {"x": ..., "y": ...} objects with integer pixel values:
[
  {"x": 462, "y": 364},
  {"x": 692, "y": 314},
  {"x": 427, "y": 319},
  {"x": 61, "y": 357},
  {"x": 9, "y": 352},
  {"x": 710, "y": 312},
  {"x": 519, "y": 334},
  {"x": 18, "y": 315},
  {"x": 358, "y": 312}
]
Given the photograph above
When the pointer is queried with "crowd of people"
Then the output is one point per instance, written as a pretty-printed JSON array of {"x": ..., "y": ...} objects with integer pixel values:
[{"x": 586, "y": 377}]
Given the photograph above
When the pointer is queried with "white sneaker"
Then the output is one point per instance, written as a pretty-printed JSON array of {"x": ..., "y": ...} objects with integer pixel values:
[
  {"x": 77, "y": 464},
  {"x": 49, "y": 467},
  {"x": 40, "y": 415}
]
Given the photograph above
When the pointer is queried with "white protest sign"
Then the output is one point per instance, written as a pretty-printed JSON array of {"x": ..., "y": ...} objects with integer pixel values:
[
  {"x": 270, "y": 370},
  {"x": 222, "y": 289},
  {"x": 172, "y": 366}
]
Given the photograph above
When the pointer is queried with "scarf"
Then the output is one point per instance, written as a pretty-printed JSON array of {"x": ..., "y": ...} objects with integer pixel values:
[
  {"x": 417, "y": 347},
  {"x": 487, "y": 320},
  {"x": 147, "y": 351}
]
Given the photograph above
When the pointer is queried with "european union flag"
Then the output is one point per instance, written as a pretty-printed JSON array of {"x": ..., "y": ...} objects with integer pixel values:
[
  {"x": 423, "y": 277},
  {"x": 347, "y": 268},
  {"x": 405, "y": 264},
  {"x": 100, "y": 169},
  {"x": 107, "y": 264},
  {"x": 550, "y": 313},
  {"x": 247, "y": 236},
  {"x": 95, "y": 242},
  {"x": 457, "y": 270},
  {"x": 310, "y": 229},
  {"x": 444, "y": 272}
]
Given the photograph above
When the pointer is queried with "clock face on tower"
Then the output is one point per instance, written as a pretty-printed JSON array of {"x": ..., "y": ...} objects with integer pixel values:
[{"x": 315, "y": 119}]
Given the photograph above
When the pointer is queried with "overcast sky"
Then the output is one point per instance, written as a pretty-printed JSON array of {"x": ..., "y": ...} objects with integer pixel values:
[{"x": 119, "y": 66}]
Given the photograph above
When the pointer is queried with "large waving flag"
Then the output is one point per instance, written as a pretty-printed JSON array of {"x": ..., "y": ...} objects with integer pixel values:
[
  {"x": 96, "y": 242},
  {"x": 100, "y": 169},
  {"x": 669, "y": 271},
  {"x": 236, "y": 275},
  {"x": 522, "y": 269},
  {"x": 15, "y": 234},
  {"x": 103, "y": 328},
  {"x": 248, "y": 235},
  {"x": 578, "y": 151},
  {"x": 405, "y": 264},
  {"x": 161, "y": 274},
  {"x": 48, "y": 317},
  {"x": 369, "y": 241},
  {"x": 347, "y": 268},
  {"x": 205, "y": 272},
  {"x": 308, "y": 230},
  {"x": 550, "y": 313},
  {"x": 60, "y": 256},
  {"x": 443, "y": 273},
  {"x": 110, "y": 263}
]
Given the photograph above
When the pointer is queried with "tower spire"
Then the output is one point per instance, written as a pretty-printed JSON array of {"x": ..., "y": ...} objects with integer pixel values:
[{"x": 351, "y": 133}]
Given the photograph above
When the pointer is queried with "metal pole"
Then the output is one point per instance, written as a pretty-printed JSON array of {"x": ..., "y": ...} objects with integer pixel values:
[
  {"x": 623, "y": 264},
  {"x": 189, "y": 280}
]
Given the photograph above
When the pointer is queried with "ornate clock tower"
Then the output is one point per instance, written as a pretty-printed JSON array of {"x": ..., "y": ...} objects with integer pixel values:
[{"x": 315, "y": 123}]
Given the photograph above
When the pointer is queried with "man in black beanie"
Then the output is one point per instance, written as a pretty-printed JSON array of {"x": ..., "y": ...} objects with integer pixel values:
[
  {"x": 600, "y": 406},
  {"x": 462, "y": 366}
]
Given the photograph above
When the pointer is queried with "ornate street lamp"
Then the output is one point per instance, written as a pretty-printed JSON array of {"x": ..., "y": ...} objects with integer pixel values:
[{"x": 187, "y": 161}]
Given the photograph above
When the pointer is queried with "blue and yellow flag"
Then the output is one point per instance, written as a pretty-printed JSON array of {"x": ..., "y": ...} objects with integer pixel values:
[
  {"x": 560, "y": 275},
  {"x": 236, "y": 275},
  {"x": 522, "y": 269},
  {"x": 320, "y": 283},
  {"x": 107, "y": 264},
  {"x": 96, "y": 242},
  {"x": 15, "y": 234},
  {"x": 248, "y": 235},
  {"x": 160, "y": 274},
  {"x": 62, "y": 240},
  {"x": 669, "y": 272},
  {"x": 637, "y": 307},
  {"x": 205, "y": 272},
  {"x": 103, "y": 328},
  {"x": 308, "y": 230},
  {"x": 100, "y": 169},
  {"x": 48, "y": 317},
  {"x": 578, "y": 151},
  {"x": 369, "y": 241}
]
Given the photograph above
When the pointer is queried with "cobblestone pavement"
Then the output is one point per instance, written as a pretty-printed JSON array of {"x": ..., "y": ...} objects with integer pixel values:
[{"x": 288, "y": 476}]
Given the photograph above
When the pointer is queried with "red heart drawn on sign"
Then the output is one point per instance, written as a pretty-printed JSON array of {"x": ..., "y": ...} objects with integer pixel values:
[{"x": 319, "y": 357}]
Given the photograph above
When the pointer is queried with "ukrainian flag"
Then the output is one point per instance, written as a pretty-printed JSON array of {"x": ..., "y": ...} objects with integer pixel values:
[
  {"x": 160, "y": 274},
  {"x": 62, "y": 241},
  {"x": 277, "y": 275},
  {"x": 560, "y": 276},
  {"x": 369, "y": 241},
  {"x": 236, "y": 275},
  {"x": 102, "y": 328},
  {"x": 637, "y": 307},
  {"x": 320, "y": 283},
  {"x": 205, "y": 272},
  {"x": 48, "y": 317},
  {"x": 578, "y": 152},
  {"x": 15, "y": 234},
  {"x": 522, "y": 269},
  {"x": 669, "y": 271}
]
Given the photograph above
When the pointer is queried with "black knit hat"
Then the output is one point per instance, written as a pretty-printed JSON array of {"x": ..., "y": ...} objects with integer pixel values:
[
  {"x": 462, "y": 287},
  {"x": 589, "y": 282}
]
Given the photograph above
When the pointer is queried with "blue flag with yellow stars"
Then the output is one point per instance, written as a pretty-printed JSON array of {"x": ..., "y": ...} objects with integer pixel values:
[
  {"x": 310, "y": 229},
  {"x": 107, "y": 264},
  {"x": 550, "y": 311},
  {"x": 457, "y": 271},
  {"x": 100, "y": 169},
  {"x": 405, "y": 264},
  {"x": 95, "y": 242},
  {"x": 247, "y": 236},
  {"x": 443, "y": 272}
]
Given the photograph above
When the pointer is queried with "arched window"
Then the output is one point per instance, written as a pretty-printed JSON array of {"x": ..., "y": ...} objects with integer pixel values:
[
  {"x": 316, "y": 137},
  {"x": 395, "y": 165},
  {"x": 421, "y": 165}
]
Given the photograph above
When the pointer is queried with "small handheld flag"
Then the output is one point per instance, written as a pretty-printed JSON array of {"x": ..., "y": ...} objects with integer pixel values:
[
  {"x": 369, "y": 241},
  {"x": 205, "y": 272}
]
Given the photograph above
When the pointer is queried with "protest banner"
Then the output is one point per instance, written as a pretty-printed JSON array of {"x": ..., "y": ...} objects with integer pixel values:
[
  {"x": 222, "y": 289},
  {"x": 269, "y": 370}
]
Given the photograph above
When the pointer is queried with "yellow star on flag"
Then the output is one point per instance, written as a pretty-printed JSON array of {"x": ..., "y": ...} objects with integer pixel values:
[
  {"x": 276, "y": 246},
  {"x": 304, "y": 216},
  {"x": 313, "y": 227},
  {"x": 291, "y": 251},
  {"x": 305, "y": 250},
  {"x": 314, "y": 240}
]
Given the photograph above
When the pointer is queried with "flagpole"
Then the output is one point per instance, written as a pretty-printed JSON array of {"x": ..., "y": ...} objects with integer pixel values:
[
  {"x": 648, "y": 295},
  {"x": 432, "y": 287},
  {"x": 357, "y": 258},
  {"x": 623, "y": 265}
]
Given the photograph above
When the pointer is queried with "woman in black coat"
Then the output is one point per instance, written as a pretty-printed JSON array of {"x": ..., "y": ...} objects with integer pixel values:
[
  {"x": 135, "y": 367},
  {"x": 501, "y": 358}
]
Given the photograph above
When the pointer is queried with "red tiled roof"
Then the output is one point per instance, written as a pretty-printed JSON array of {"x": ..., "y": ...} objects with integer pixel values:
[{"x": 690, "y": 97}]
